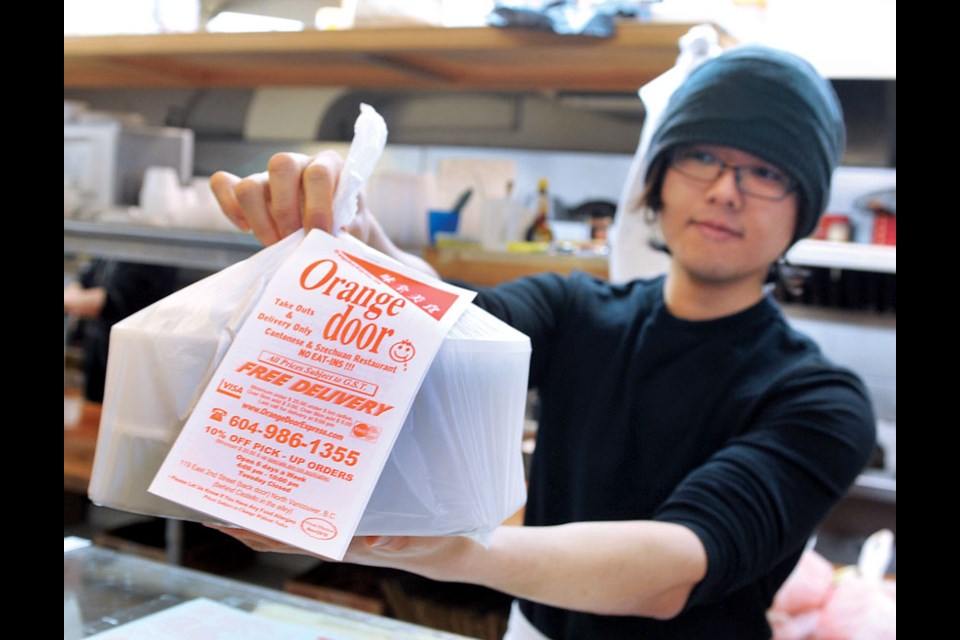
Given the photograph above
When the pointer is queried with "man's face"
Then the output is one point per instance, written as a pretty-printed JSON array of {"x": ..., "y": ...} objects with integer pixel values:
[{"x": 718, "y": 234}]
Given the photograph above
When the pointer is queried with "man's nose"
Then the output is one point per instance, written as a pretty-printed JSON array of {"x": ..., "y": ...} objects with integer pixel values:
[{"x": 726, "y": 187}]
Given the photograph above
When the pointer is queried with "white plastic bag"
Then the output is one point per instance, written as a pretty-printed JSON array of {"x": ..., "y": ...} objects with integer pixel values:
[
  {"x": 160, "y": 360},
  {"x": 630, "y": 254},
  {"x": 455, "y": 468},
  {"x": 369, "y": 139}
]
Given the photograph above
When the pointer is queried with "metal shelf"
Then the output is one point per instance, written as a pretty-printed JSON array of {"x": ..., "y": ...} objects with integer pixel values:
[
  {"x": 878, "y": 487},
  {"x": 198, "y": 249},
  {"x": 844, "y": 255},
  {"x": 215, "y": 250}
]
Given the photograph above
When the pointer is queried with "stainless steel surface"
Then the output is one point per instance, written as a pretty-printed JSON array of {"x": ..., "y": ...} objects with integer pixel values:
[
  {"x": 877, "y": 486},
  {"x": 213, "y": 250}
]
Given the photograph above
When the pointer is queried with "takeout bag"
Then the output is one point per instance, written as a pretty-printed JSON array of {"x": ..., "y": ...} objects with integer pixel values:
[{"x": 456, "y": 467}]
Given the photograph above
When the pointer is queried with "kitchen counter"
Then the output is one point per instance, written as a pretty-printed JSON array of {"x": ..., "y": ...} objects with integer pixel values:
[{"x": 104, "y": 590}]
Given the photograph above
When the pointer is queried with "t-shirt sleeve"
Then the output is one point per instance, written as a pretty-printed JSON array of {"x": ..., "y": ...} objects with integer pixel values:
[{"x": 757, "y": 501}]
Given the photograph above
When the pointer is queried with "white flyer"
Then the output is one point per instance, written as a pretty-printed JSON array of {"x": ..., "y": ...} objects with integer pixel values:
[{"x": 291, "y": 435}]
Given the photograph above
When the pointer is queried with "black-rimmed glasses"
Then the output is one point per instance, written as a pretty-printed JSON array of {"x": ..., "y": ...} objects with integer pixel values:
[{"x": 754, "y": 180}]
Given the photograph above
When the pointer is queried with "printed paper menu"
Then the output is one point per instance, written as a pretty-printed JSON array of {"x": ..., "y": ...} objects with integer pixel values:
[{"x": 290, "y": 436}]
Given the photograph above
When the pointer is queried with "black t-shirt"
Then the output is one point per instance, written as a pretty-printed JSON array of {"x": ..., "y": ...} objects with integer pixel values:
[{"x": 737, "y": 428}]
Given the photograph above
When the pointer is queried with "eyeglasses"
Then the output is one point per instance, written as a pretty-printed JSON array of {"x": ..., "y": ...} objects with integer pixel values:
[{"x": 754, "y": 180}]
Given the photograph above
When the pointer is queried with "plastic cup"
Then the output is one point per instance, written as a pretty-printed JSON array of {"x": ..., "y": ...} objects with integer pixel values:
[{"x": 442, "y": 221}]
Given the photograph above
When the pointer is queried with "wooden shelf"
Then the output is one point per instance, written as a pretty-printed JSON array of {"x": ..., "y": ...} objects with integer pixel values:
[
  {"x": 411, "y": 57},
  {"x": 488, "y": 268}
]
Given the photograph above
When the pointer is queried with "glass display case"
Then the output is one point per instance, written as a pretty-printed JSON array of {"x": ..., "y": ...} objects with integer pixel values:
[{"x": 112, "y": 595}]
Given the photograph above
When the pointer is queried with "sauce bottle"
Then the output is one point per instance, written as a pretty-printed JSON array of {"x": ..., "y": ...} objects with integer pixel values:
[{"x": 539, "y": 230}]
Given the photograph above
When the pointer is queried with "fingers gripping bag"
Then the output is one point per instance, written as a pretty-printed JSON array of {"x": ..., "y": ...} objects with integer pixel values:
[{"x": 311, "y": 416}]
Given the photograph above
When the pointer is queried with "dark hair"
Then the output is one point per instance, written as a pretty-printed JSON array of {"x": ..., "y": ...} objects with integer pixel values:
[{"x": 652, "y": 197}]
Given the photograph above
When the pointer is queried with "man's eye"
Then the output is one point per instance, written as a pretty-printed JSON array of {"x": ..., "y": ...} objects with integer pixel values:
[
  {"x": 767, "y": 174},
  {"x": 703, "y": 157}
]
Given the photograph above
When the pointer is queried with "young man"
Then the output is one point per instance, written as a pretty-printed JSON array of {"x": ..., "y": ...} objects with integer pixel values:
[{"x": 689, "y": 442}]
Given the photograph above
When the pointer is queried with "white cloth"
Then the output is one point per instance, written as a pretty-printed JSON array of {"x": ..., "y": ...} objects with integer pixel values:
[
  {"x": 630, "y": 253},
  {"x": 519, "y": 628}
]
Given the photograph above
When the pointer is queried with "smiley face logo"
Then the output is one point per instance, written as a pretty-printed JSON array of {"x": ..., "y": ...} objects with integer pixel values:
[{"x": 402, "y": 351}]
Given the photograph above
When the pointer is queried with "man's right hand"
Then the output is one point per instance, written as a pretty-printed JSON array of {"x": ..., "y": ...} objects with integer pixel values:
[{"x": 296, "y": 191}]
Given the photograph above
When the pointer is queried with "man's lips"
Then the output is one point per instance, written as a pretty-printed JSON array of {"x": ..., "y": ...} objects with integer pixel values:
[{"x": 716, "y": 229}]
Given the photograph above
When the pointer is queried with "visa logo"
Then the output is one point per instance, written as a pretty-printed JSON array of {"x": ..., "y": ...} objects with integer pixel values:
[{"x": 230, "y": 389}]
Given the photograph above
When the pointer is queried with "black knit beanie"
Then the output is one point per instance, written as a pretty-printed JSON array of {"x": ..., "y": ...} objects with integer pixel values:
[{"x": 767, "y": 102}]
